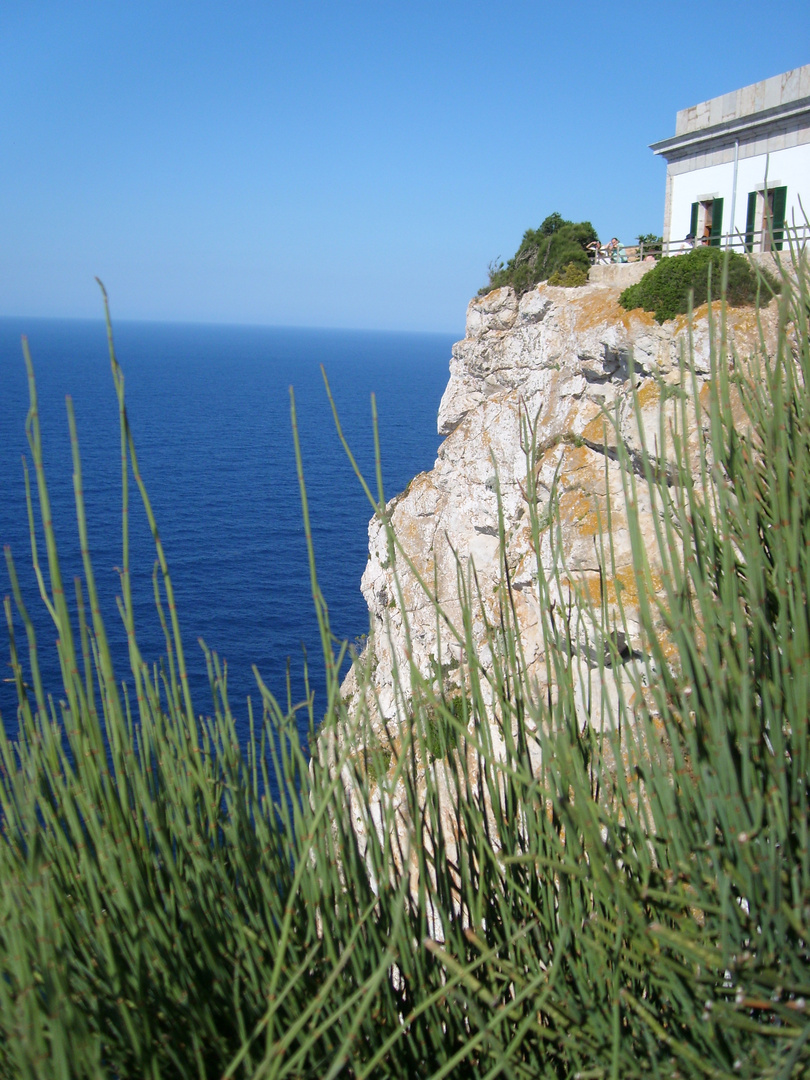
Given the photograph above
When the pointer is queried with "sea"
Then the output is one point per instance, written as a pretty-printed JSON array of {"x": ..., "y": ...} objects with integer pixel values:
[{"x": 209, "y": 407}]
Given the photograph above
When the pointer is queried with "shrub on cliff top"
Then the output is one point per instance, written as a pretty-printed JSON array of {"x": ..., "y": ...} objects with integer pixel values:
[
  {"x": 666, "y": 289},
  {"x": 572, "y": 277},
  {"x": 551, "y": 248}
]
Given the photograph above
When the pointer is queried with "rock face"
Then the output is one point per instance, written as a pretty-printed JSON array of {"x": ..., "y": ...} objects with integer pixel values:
[{"x": 565, "y": 359}]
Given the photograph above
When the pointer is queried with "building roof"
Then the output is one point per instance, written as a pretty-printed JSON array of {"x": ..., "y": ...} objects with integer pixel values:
[{"x": 751, "y": 112}]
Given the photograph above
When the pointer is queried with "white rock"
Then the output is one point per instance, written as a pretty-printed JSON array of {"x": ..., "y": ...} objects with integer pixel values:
[{"x": 564, "y": 358}]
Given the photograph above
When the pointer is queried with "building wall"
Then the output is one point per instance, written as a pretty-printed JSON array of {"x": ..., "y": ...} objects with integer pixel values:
[
  {"x": 765, "y": 127},
  {"x": 789, "y": 167},
  {"x": 780, "y": 136},
  {"x": 749, "y": 100}
]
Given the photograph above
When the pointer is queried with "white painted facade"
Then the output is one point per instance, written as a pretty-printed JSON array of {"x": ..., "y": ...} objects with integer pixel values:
[{"x": 738, "y": 168}]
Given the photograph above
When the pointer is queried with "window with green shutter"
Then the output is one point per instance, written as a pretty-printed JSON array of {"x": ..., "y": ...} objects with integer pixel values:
[
  {"x": 779, "y": 206},
  {"x": 750, "y": 220},
  {"x": 693, "y": 223},
  {"x": 717, "y": 223}
]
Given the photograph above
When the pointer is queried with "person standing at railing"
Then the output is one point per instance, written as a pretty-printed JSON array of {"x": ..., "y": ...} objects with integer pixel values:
[
  {"x": 616, "y": 251},
  {"x": 686, "y": 245},
  {"x": 597, "y": 253}
]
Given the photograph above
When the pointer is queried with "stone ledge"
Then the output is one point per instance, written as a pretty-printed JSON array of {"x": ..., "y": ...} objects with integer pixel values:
[
  {"x": 785, "y": 260},
  {"x": 620, "y": 274}
]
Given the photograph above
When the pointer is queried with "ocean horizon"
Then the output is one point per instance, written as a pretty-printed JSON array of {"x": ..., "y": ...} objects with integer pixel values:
[{"x": 209, "y": 407}]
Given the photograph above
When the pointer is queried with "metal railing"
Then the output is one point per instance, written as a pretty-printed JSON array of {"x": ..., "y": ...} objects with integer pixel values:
[
  {"x": 754, "y": 241},
  {"x": 604, "y": 255}
]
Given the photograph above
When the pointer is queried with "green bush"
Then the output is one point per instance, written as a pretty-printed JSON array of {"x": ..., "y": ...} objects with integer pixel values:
[
  {"x": 161, "y": 916},
  {"x": 571, "y": 277},
  {"x": 376, "y": 758},
  {"x": 555, "y": 245},
  {"x": 678, "y": 280},
  {"x": 443, "y": 726}
]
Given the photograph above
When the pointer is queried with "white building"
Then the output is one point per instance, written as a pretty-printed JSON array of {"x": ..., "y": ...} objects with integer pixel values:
[{"x": 738, "y": 167}]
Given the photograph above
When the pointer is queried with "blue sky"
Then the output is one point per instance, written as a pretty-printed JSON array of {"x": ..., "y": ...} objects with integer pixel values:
[{"x": 352, "y": 164}]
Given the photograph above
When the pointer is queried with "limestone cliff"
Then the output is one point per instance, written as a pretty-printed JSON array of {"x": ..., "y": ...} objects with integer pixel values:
[{"x": 563, "y": 357}]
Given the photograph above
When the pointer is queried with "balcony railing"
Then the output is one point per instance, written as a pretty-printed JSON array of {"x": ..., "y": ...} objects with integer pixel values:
[{"x": 754, "y": 242}]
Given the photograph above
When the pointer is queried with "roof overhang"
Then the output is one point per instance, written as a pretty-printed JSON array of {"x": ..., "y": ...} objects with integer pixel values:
[{"x": 753, "y": 126}]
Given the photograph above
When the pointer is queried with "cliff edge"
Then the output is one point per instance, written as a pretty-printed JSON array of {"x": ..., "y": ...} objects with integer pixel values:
[{"x": 561, "y": 363}]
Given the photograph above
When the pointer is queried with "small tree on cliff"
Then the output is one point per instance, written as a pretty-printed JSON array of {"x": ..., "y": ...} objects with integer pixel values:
[{"x": 542, "y": 252}]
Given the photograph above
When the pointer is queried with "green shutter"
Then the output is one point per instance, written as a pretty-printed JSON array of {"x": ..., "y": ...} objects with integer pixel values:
[
  {"x": 750, "y": 221},
  {"x": 779, "y": 208},
  {"x": 693, "y": 224},
  {"x": 717, "y": 223}
]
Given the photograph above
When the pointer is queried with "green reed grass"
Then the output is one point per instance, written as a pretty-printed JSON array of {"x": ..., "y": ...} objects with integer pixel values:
[{"x": 525, "y": 907}]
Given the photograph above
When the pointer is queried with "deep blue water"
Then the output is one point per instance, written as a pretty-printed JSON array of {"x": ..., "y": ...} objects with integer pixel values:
[{"x": 210, "y": 411}]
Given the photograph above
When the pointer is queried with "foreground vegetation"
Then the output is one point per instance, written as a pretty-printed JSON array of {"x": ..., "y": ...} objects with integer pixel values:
[{"x": 162, "y": 916}]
